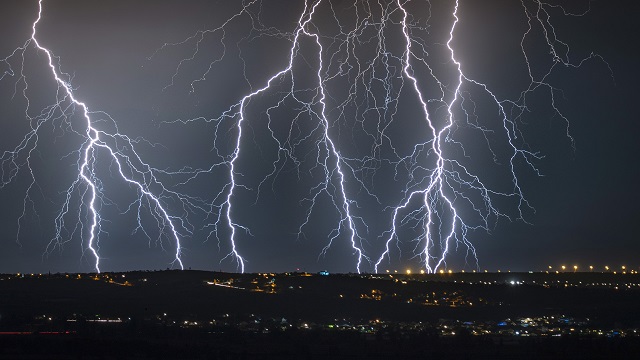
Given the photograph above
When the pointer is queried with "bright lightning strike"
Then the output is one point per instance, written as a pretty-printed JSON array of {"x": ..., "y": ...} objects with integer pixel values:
[
  {"x": 449, "y": 181},
  {"x": 372, "y": 114},
  {"x": 377, "y": 66},
  {"x": 97, "y": 146},
  {"x": 328, "y": 157}
]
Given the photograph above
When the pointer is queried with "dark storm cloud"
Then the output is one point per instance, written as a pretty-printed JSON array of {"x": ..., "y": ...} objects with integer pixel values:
[{"x": 586, "y": 203}]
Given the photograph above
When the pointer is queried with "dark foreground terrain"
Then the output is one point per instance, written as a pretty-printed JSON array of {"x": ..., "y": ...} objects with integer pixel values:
[{"x": 205, "y": 315}]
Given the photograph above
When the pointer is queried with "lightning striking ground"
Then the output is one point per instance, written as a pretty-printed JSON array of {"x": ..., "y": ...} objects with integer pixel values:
[
  {"x": 371, "y": 106},
  {"x": 442, "y": 199},
  {"x": 328, "y": 157},
  {"x": 88, "y": 186},
  {"x": 438, "y": 190}
]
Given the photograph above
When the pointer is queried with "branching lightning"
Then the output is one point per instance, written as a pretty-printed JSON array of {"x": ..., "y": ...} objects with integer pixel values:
[
  {"x": 450, "y": 180},
  {"x": 328, "y": 157},
  {"x": 119, "y": 150},
  {"x": 369, "y": 104},
  {"x": 442, "y": 199}
]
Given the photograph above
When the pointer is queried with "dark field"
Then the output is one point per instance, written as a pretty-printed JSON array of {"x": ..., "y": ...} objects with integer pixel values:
[{"x": 195, "y": 314}]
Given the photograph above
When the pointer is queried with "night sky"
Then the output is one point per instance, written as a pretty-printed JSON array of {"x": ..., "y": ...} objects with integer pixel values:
[{"x": 142, "y": 72}]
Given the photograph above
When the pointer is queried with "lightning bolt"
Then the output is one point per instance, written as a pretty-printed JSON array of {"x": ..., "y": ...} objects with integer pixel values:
[
  {"x": 371, "y": 61},
  {"x": 97, "y": 144},
  {"x": 328, "y": 157},
  {"x": 449, "y": 180},
  {"x": 351, "y": 78}
]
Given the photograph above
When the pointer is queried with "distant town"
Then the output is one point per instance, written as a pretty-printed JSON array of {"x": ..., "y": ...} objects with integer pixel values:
[{"x": 490, "y": 309}]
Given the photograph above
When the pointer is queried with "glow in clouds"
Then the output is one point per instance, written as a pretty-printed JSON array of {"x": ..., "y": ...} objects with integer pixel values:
[{"x": 369, "y": 104}]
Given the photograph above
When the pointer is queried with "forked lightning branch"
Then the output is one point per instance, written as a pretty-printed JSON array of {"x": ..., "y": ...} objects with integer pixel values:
[{"x": 369, "y": 69}]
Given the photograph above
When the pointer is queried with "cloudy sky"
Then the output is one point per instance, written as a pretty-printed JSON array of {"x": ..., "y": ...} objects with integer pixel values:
[{"x": 167, "y": 80}]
